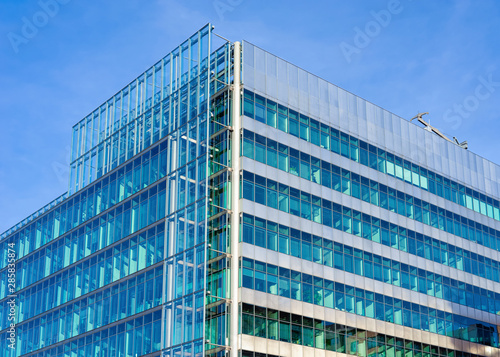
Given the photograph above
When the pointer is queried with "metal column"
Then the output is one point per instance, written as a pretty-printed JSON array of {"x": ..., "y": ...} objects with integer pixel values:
[{"x": 235, "y": 195}]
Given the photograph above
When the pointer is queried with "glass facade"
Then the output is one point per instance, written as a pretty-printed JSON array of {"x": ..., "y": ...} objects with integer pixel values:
[
  {"x": 316, "y": 220},
  {"x": 326, "y": 335},
  {"x": 356, "y": 219},
  {"x": 308, "y": 129},
  {"x": 117, "y": 266}
]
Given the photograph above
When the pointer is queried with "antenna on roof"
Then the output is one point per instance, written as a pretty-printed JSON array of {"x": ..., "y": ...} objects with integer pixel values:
[
  {"x": 462, "y": 144},
  {"x": 434, "y": 130}
]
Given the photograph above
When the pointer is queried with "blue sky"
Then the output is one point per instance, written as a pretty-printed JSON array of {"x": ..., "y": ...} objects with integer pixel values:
[{"x": 60, "y": 59}]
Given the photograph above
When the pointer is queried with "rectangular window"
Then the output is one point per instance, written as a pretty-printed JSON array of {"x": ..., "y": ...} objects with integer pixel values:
[{"x": 271, "y": 118}]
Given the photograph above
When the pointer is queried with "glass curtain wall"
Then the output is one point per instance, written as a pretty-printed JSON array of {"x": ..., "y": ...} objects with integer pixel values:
[
  {"x": 197, "y": 309},
  {"x": 121, "y": 262},
  {"x": 187, "y": 200},
  {"x": 138, "y": 115}
]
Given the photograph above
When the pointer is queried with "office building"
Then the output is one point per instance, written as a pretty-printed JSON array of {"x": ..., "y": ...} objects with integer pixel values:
[{"x": 229, "y": 203}]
